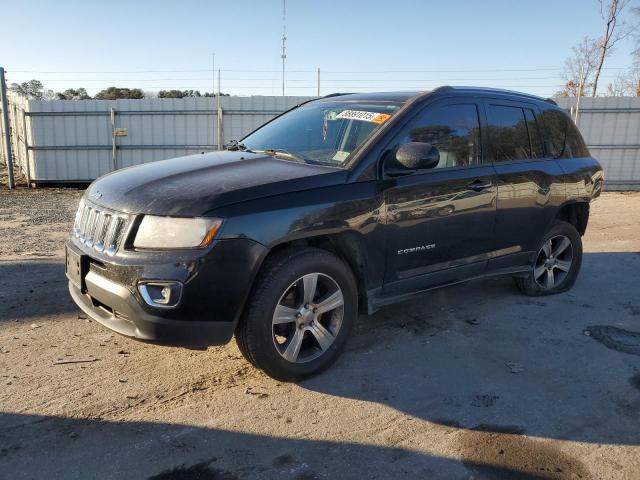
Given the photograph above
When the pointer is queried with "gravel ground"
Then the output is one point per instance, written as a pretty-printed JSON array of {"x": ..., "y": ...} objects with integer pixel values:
[
  {"x": 35, "y": 222},
  {"x": 474, "y": 381}
]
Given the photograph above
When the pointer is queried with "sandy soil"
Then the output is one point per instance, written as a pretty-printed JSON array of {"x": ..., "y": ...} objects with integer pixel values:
[{"x": 475, "y": 381}]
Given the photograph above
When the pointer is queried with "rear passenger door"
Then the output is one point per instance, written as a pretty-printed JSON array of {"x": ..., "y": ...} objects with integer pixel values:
[{"x": 529, "y": 182}]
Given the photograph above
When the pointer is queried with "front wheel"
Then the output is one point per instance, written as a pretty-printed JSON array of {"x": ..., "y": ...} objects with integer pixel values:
[
  {"x": 299, "y": 315},
  {"x": 557, "y": 262}
]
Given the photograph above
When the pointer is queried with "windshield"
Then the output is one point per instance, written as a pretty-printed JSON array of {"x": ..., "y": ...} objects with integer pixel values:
[{"x": 324, "y": 132}]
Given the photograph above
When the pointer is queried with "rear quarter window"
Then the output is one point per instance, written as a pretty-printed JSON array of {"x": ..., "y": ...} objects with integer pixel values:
[{"x": 563, "y": 140}]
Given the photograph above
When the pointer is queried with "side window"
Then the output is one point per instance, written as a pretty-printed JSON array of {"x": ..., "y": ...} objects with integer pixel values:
[
  {"x": 508, "y": 133},
  {"x": 556, "y": 124},
  {"x": 453, "y": 129},
  {"x": 534, "y": 134}
]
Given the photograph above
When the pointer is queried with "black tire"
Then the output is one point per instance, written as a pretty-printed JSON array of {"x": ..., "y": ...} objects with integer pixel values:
[
  {"x": 532, "y": 286},
  {"x": 255, "y": 331}
]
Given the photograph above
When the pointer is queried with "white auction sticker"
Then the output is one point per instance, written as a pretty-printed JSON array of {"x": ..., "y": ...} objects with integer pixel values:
[{"x": 374, "y": 117}]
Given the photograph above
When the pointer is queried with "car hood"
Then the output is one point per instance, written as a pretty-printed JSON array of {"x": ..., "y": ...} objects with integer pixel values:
[{"x": 197, "y": 184}]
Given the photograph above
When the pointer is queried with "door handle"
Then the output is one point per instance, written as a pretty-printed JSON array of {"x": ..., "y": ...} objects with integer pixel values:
[{"x": 479, "y": 185}]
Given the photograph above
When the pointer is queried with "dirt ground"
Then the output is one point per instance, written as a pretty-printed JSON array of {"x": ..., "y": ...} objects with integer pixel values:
[{"x": 474, "y": 381}]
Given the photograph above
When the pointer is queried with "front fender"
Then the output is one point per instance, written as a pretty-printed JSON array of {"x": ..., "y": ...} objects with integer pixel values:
[{"x": 350, "y": 215}]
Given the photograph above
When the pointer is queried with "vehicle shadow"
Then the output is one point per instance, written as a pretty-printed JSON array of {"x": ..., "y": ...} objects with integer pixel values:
[
  {"x": 33, "y": 288},
  {"x": 483, "y": 357},
  {"x": 50, "y": 447}
]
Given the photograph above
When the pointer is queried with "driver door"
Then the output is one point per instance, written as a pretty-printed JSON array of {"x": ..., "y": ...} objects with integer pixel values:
[{"x": 440, "y": 221}]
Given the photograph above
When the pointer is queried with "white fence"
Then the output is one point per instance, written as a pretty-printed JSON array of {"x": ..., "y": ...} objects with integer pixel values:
[
  {"x": 75, "y": 141},
  {"x": 611, "y": 129}
]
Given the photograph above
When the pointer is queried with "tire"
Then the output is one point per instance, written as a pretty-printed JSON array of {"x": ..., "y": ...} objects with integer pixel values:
[
  {"x": 296, "y": 342},
  {"x": 553, "y": 255}
]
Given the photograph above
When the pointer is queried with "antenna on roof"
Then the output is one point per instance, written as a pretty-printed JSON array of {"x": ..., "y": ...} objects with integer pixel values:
[{"x": 284, "y": 39}]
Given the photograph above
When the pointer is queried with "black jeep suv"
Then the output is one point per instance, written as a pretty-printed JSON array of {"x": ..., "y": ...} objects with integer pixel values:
[{"x": 344, "y": 203}]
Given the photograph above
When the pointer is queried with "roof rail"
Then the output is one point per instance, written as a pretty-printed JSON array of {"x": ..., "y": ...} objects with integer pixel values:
[
  {"x": 336, "y": 94},
  {"x": 551, "y": 101},
  {"x": 502, "y": 90}
]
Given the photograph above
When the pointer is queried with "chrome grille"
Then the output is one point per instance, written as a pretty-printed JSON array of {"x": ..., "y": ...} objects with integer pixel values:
[{"x": 99, "y": 228}]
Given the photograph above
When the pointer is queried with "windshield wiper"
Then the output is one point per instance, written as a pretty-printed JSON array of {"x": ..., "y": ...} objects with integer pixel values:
[{"x": 279, "y": 152}]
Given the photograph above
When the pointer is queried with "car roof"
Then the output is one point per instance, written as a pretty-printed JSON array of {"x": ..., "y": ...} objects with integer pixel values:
[{"x": 405, "y": 96}]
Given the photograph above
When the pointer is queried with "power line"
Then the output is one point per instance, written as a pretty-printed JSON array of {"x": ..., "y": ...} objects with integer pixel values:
[
  {"x": 314, "y": 86},
  {"x": 329, "y": 80},
  {"x": 138, "y": 79},
  {"x": 527, "y": 69}
]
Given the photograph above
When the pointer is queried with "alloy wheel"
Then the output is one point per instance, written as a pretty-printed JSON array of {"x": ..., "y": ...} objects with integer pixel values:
[
  {"x": 307, "y": 318},
  {"x": 553, "y": 262}
]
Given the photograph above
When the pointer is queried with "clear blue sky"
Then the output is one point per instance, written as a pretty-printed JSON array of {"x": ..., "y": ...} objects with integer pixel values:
[{"x": 453, "y": 42}]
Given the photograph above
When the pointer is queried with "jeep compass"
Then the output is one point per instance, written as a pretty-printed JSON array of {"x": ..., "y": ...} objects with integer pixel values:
[{"x": 340, "y": 205}]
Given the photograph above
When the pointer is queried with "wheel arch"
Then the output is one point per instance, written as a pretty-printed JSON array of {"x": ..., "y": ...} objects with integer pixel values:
[
  {"x": 575, "y": 213},
  {"x": 347, "y": 246}
]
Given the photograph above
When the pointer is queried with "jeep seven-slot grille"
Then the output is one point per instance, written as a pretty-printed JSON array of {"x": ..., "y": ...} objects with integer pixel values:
[{"x": 99, "y": 229}]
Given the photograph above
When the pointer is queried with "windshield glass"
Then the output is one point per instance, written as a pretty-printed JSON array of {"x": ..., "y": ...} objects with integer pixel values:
[{"x": 324, "y": 132}]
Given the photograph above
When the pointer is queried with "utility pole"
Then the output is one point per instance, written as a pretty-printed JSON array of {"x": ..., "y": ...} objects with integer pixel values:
[
  {"x": 213, "y": 91},
  {"x": 284, "y": 39},
  {"x": 5, "y": 127}
]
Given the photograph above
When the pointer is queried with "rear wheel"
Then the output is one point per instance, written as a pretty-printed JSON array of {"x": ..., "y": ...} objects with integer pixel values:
[
  {"x": 557, "y": 262},
  {"x": 299, "y": 315}
]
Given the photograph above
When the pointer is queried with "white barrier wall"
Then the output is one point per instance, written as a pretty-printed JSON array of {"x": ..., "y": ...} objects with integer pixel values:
[
  {"x": 611, "y": 129},
  {"x": 73, "y": 141}
]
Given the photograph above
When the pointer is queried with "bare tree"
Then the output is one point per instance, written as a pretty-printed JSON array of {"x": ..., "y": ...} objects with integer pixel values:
[
  {"x": 636, "y": 32},
  {"x": 614, "y": 31},
  {"x": 626, "y": 84},
  {"x": 617, "y": 88},
  {"x": 632, "y": 80},
  {"x": 579, "y": 69}
]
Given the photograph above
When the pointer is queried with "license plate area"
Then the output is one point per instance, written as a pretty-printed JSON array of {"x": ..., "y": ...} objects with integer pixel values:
[{"x": 76, "y": 268}]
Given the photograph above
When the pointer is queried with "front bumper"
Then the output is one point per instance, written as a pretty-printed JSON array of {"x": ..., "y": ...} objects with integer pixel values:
[
  {"x": 114, "y": 306},
  {"x": 216, "y": 284}
]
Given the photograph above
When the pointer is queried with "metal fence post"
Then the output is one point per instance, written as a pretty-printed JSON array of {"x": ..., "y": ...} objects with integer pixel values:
[
  {"x": 219, "y": 117},
  {"x": 318, "y": 81},
  {"x": 7, "y": 132},
  {"x": 113, "y": 140},
  {"x": 26, "y": 144}
]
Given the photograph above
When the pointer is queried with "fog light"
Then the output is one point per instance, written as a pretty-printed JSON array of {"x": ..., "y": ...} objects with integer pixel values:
[{"x": 160, "y": 294}]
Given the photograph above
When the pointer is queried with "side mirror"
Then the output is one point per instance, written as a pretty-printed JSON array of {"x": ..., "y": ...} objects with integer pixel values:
[{"x": 417, "y": 156}]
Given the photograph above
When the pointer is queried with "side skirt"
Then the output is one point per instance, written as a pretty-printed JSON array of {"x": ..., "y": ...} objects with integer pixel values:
[{"x": 376, "y": 300}]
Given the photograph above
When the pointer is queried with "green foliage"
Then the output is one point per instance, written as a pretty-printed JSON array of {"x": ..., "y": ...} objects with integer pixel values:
[
  {"x": 31, "y": 89},
  {"x": 178, "y": 93},
  {"x": 186, "y": 93},
  {"x": 113, "y": 93},
  {"x": 73, "y": 94},
  {"x": 209, "y": 94}
]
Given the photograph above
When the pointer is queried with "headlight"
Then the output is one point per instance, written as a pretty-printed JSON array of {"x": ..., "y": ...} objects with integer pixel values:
[{"x": 172, "y": 232}]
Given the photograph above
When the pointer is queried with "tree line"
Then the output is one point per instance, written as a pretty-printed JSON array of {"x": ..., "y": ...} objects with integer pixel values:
[{"x": 35, "y": 89}]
